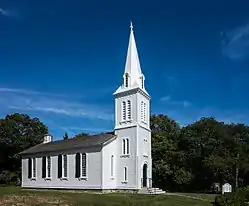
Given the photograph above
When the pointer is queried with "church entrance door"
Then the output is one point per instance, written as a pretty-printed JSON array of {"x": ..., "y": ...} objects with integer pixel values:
[{"x": 145, "y": 168}]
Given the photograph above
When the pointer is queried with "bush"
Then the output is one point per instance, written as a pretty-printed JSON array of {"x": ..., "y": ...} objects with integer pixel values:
[
  {"x": 9, "y": 178},
  {"x": 238, "y": 198}
]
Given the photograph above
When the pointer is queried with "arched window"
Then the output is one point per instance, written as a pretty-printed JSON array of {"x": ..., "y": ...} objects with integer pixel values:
[
  {"x": 48, "y": 167},
  {"x": 33, "y": 167},
  {"x": 64, "y": 166},
  {"x": 124, "y": 146},
  {"x": 80, "y": 165},
  {"x": 126, "y": 80},
  {"x": 123, "y": 110},
  {"x": 83, "y": 165},
  {"x": 60, "y": 166},
  {"x": 77, "y": 165},
  {"x": 43, "y": 167},
  {"x": 29, "y": 168},
  {"x": 129, "y": 109},
  {"x": 127, "y": 146},
  {"x": 125, "y": 174},
  {"x": 112, "y": 165}
]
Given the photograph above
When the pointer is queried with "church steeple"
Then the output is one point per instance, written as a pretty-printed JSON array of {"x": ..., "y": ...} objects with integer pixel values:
[{"x": 133, "y": 75}]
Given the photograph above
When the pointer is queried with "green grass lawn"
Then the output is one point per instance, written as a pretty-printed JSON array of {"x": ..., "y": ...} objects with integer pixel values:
[{"x": 18, "y": 196}]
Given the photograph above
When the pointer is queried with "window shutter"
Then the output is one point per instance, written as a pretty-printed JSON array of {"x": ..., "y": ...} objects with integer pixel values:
[
  {"x": 29, "y": 168},
  {"x": 60, "y": 166},
  {"x": 77, "y": 165},
  {"x": 43, "y": 167}
]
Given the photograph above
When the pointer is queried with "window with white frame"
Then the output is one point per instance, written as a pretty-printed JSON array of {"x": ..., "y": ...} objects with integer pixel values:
[
  {"x": 83, "y": 165},
  {"x": 48, "y": 167},
  {"x": 33, "y": 167},
  {"x": 126, "y": 146},
  {"x": 129, "y": 110},
  {"x": 112, "y": 166},
  {"x": 142, "y": 82},
  {"x": 142, "y": 110},
  {"x": 64, "y": 166},
  {"x": 126, "y": 80},
  {"x": 123, "y": 111},
  {"x": 125, "y": 174}
]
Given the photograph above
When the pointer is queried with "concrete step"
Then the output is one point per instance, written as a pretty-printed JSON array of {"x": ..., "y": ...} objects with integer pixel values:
[{"x": 151, "y": 191}]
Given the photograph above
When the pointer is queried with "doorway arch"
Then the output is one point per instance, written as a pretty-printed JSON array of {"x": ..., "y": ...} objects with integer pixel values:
[{"x": 145, "y": 172}]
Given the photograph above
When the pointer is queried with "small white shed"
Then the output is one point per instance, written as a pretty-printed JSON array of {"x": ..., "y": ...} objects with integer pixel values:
[{"x": 226, "y": 188}]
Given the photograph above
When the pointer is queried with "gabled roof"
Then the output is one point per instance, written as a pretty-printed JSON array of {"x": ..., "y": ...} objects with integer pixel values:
[{"x": 73, "y": 143}]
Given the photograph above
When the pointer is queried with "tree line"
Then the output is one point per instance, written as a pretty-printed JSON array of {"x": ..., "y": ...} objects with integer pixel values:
[{"x": 190, "y": 158}]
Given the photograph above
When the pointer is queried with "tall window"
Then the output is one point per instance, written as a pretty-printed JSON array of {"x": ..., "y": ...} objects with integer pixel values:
[
  {"x": 142, "y": 110},
  {"x": 33, "y": 167},
  {"x": 46, "y": 167},
  {"x": 142, "y": 82},
  {"x": 60, "y": 166},
  {"x": 43, "y": 167},
  {"x": 123, "y": 110},
  {"x": 129, "y": 109},
  {"x": 81, "y": 165},
  {"x": 112, "y": 165},
  {"x": 126, "y": 146},
  {"x": 29, "y": 168},
  {"x": 126, "y": 80},
  {"x": 125, "y": 174},
  {"x": 64, "y": 166}
]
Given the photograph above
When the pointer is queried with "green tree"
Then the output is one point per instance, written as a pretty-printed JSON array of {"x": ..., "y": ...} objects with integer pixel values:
[
  {"x": 80, "y": 135},
  {"x": 65, "y": 136},
  {"x": 17, "y": 133},
  {"x": 169, "y": 164}
]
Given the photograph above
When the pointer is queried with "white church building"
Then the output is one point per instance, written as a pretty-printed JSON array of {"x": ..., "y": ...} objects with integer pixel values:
[{"x": 120, "y": 160}]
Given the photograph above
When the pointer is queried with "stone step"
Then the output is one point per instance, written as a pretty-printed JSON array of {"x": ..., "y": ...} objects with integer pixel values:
[{"x": 151, "y": 191}]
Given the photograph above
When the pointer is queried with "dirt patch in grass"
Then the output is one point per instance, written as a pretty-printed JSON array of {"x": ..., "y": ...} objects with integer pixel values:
[{"x": 31, "y": 200}]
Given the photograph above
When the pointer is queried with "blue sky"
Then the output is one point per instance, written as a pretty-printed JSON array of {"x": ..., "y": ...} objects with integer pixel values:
[{"x": 62, "y": 60}]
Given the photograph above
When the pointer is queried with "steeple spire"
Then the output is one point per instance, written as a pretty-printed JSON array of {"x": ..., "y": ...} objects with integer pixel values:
[
  {"x": 132, "y": 75},
  {"x": 131, "y": 26}
]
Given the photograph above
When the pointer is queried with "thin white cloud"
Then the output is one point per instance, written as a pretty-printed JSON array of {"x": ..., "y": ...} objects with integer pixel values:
[
  {"x": 165, "y": 98},
  {"x": 235, "y": 43},
  {"x": 168, "y": 100},
  {"x": 8, "y": 13},
  {"x": 28, "y": 92},
  {"x": 26, "y": 100},
  {"x": 4, "y": 12}
]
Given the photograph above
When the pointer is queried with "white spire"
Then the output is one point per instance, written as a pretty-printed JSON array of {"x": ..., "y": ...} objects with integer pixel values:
[{"x": 132, "y": 65}]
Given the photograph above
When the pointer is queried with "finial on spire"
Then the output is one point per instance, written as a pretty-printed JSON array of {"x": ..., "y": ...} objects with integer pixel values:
[{"x": 131, "y": 26}]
